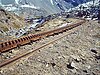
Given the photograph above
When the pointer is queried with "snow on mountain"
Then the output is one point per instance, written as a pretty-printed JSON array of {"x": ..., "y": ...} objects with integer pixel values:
[
  {"x": 87, "y": 5},
  {"x": 51, "y": 6},
  {"x": 16, "y": 1},
  {"x": 29, "y": 6},
  {"x": 52, "y": 2},
  {"x": 45, "y": 6},
  {"x": 77, "y": 2}
]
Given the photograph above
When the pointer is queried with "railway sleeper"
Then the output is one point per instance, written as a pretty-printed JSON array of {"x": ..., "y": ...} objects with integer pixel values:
[
  {"x": 18, "y": 46},
  {"x": 6, "y": 46},
  {"x": 9, "y": 48},
  {"x": 30, "y": 43},
  {"x": 56, "y": 33}
]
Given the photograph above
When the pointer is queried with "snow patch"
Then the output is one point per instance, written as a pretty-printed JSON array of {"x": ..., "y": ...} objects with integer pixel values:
[
  {"x": 51, "y": 2},
  {"x": 63, "y": 25},
  {"x": 10, "y": 8},
  {"x": 29, "y": 6},
  {"x": 88, "y": 4},
  {"x": 16, "y": 1}
]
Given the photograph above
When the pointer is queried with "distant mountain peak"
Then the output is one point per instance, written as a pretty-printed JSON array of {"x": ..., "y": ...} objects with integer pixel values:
[{"x": 35, "y": 6}]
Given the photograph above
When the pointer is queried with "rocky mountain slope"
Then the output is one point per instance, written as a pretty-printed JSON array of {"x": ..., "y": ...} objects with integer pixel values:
[
  {"x": 10, "y": 23},
  {"x": 76, "y": 54}
]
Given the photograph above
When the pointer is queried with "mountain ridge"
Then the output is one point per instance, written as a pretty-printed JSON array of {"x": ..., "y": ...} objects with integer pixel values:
[{"x": 40, "y": 6}]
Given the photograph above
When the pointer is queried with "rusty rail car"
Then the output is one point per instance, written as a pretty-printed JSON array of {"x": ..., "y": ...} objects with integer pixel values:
[{"x": 8, "y": 45}]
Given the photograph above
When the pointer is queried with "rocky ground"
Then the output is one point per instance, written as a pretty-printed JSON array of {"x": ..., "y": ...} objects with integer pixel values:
[
  {"x": 49, "y": 25},
  {"x": 9, "y": 24},
  {"x": 76, "y": 54},
  {"x": 53, "y": 24}
]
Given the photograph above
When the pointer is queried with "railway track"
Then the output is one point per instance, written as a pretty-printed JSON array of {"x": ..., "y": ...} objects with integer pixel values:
[
  {"x": 8, "y": 45},
  {"x": 31, "y": 38}
]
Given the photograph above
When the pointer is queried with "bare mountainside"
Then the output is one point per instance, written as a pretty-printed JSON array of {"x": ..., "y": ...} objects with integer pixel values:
[
  {"x": 75, "y": 54},
  {"x": 9, "y": 21}
]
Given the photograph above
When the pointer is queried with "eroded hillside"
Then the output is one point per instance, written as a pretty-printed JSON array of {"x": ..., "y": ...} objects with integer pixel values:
[{"x": 9, "y": 22}]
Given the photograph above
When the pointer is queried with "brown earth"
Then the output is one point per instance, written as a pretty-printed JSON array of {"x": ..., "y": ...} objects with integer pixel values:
[{"x": 76, "y": 54}]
